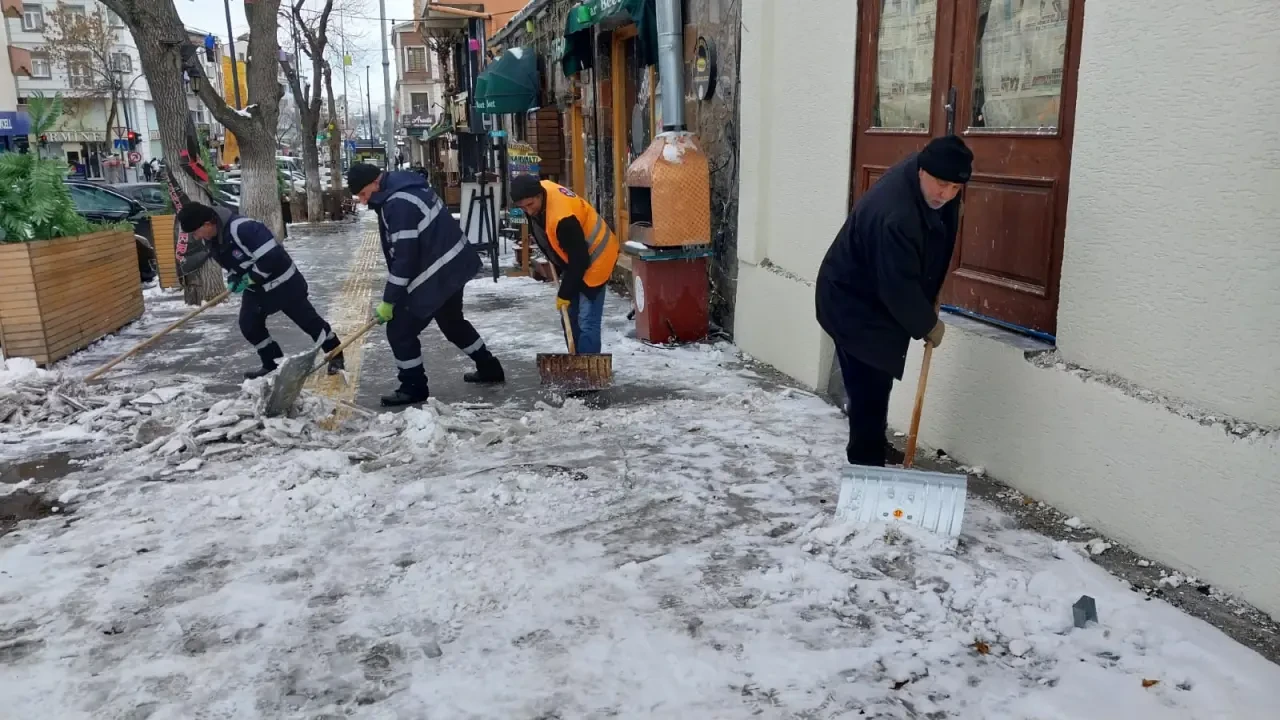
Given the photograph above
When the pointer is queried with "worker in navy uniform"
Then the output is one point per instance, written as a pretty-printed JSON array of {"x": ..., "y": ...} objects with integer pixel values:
[
  {"x": 878, "y": 285},
  {"x": 259, "y": 268},
  {"x": 429, "y": 263}
]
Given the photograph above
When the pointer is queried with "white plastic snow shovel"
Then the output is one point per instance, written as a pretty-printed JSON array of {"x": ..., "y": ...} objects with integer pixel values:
[{"x": 932, "y": 500}]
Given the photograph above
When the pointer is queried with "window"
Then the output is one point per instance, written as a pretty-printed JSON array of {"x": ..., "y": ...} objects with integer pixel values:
[
  {"x": 79, "y": 71},
  {"x": 122, "y": 62},
  {"x": 415, "y": 59},
  {"x": 32, "y": 18},
  {"x": 40, "y": 66},
  {"x": 113, "y": 19},
  {"x": 74, "y": 10},
  {"x": 95, "y": 200},
  {"x": 420, "y": 103}
]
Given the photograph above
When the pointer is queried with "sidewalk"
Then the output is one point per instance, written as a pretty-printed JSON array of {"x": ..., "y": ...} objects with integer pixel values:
[{"x": 503, "y": 553}]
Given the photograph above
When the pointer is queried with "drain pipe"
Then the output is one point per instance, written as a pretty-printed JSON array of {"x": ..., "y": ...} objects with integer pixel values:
[{"x": 671, "y": 63}]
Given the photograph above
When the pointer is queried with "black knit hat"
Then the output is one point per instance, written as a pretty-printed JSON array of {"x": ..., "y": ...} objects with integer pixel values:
[
  {"x": 948, "y": 159},
  {"x": 361, "y": 176},
  {"x": 193, "y": 215},
  {"x": 524, "y": 187}
]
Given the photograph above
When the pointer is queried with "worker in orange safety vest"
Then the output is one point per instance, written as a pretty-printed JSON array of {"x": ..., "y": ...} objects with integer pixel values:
[{"x": 578, "y": 242}]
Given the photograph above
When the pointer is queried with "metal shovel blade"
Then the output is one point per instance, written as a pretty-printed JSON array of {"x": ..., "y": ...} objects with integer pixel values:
[
  {"x": 932, "y": 500},
  {"x": 288, "y": 382},
  {"x": 576, "y": 372}
]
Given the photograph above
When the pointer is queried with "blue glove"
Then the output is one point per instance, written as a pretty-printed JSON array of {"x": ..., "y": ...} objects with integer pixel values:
[{"x": 240, "y": 283}]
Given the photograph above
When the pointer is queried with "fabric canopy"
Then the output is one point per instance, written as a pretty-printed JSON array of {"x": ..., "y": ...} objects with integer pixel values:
[
  {"x": 578, "y": 53},
  {"x": 509, "y": 85},
  {"x": 440, "y": 128}
]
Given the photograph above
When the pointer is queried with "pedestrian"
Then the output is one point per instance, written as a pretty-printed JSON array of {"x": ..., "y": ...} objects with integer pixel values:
[
  {"x": 429, "y": 263},
  {"x": 559, "y": 221},
  {"x": 261, "y": 270},
  {"x": 878, "y": 285}
]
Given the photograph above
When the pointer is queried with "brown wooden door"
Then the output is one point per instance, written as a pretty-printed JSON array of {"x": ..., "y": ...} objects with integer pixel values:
[{"x": 1011, "y": 68}]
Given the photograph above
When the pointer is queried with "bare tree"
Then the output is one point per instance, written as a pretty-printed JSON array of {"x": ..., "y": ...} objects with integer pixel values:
[
  {"x": 89, "y": 48},
  {"x": 167, "y": 53},
  {"x": 311, "y": 35}
]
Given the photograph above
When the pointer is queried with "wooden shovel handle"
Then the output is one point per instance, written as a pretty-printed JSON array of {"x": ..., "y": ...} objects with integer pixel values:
[
  {"x": 151, "y": 340},
  {"x": 568, "y": 331},
  {"x": 910, "y": 458},
  {"x": 345, "y": 343}
]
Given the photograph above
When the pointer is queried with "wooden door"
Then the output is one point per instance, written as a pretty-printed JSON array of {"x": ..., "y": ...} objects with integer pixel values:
[{"x": 1004, "y": 78}]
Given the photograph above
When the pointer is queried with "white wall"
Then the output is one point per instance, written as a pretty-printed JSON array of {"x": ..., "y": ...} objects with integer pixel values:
[
  {"x": 796, "y": 105},
  {"x": 1185, "y": 494},
  {"x": 8, "y": 83},
  {"x": 1171, "y": 271}
]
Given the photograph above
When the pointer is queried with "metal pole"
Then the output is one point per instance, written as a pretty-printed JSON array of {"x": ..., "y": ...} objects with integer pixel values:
[
  {"x": 389, "y": 120},
  {"x": 346, "y": 98},
  {"x": 368, "y": 102},
  {"x": 231, "y": 45}
]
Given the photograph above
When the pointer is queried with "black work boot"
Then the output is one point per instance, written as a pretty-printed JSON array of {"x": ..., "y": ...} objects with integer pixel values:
[
  {"x": 488, "y": 370},
  {"x": 337, "y": 364},
  {"x": 263, "y": 371},
  {"x": 892, "y": 455},
  {"x": 406, "y": 395}
]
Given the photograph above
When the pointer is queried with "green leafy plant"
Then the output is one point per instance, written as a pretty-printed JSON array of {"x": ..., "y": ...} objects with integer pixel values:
[{"x": 34, "y": 201}]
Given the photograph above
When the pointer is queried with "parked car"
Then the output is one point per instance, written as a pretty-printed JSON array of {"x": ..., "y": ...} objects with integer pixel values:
[
  {"x": 152, "y": 196},
  {"x": 97, "y": 203}
]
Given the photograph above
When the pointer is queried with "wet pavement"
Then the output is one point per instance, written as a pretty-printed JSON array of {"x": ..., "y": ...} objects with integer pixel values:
[{"x": 345, "y": 274}]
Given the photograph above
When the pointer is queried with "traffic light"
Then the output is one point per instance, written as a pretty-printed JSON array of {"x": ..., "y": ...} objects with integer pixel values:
[
  {"x": 44, "y": 140},
  {"x": 133, "y": 140}
]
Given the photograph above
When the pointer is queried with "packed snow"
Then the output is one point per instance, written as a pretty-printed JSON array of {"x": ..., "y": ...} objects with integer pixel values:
[{"x": 672, "y": 556}]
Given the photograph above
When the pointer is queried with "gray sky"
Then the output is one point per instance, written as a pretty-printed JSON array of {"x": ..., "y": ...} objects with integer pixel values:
[{"x": 209, "y": 15}]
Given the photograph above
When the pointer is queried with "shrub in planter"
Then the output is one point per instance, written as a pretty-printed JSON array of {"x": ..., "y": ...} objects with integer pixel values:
[{"x": 65, "y": 282}]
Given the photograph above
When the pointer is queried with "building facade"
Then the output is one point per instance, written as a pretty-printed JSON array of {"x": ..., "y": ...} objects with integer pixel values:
[
  {"x": 1117, "y": 261},
  {"x": 14, "y": 61},
  {"x": 83, "y": 136},
  {"x": 419, "y": 91}
]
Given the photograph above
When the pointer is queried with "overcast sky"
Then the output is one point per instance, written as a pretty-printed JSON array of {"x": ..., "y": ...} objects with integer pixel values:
[{"x": 208, "y": 15}]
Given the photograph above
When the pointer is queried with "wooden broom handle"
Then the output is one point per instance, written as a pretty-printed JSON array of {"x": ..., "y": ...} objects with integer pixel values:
[
  {"x": 345, "y": 343},
  {"x": 564, "y": 312},
  {"x": 918, "y": 410},
  {"x": 151, "y": 340}
]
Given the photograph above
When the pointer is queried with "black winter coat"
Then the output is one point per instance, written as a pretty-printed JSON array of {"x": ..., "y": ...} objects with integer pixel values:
[
  {"x": 242, "y": 247},
  {"x": 881, "y": 277},
  {"x": 428, "y": 257}
]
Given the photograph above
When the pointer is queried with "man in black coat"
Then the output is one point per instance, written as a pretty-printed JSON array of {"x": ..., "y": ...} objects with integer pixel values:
[
  {"x": 262, "y": 270},
  {"x": 429, "y": 262},
  {"x": 879, "y": 282}
]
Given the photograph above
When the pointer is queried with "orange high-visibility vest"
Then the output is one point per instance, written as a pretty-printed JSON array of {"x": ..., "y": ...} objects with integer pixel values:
[{"x": 602, "y": 245}]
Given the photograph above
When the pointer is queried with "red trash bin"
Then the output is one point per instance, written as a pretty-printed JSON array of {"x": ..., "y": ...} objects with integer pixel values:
[{"x": 671, "y": 293}]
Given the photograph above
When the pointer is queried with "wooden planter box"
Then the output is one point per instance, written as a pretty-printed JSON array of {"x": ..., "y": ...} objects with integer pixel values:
[
  {"x": 58, "y": 296},
  {"x": 162, "y": 235}
]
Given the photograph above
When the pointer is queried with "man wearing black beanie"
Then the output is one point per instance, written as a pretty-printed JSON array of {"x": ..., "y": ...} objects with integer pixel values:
[{"x": 878, "y": 285}]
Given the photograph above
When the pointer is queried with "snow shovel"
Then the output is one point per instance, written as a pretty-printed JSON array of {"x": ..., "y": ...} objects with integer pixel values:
[
  {"x": 932, "y": 500},
  {"x": 293, "y": 373},
  {"x": 151, "y": 340},
  {"x": 572, "y": 371}
]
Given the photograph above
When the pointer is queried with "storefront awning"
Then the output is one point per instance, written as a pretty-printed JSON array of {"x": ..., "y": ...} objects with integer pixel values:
[
  {"x": 441, "y": 128},
  {"x": 576, "y": 50},
  {"x": 510, "y": 84}
]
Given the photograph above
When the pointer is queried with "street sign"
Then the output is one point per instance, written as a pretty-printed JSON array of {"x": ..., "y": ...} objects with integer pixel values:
[
  {"x": 121, "y": 131},
  {"x": 135, "y": 157}
]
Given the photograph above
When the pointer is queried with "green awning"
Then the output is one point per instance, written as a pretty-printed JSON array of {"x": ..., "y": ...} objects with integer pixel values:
[
  {"x": 577, "y": 53},
  {"x": 510, "y": 84},
  {"x": 440, "y": 128}
]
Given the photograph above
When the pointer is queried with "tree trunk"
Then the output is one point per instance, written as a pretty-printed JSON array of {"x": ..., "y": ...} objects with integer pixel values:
[
  {"x": 335, "y": 146},
  {"x": 311, "y": 167},
  {"x": 159, "y": 35}
]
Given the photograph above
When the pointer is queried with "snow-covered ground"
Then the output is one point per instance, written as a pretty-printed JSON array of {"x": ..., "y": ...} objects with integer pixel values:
[{"x": 668, "y": 558}]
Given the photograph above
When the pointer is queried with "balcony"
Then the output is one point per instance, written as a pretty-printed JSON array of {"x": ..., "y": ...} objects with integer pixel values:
[{"x": 19, "y": 59}]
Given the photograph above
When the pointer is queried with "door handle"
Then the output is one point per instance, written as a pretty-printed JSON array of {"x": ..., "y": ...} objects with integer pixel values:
[{"x": 950, "y": 107}]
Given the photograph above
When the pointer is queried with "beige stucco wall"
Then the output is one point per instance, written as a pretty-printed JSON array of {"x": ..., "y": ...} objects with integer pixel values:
[
  {"x": 8, "y": 83},
  {"x": 1171, "y": 277},
  {"x": 1171, "y": 270},
  {"x": 796, "y": 137}
]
